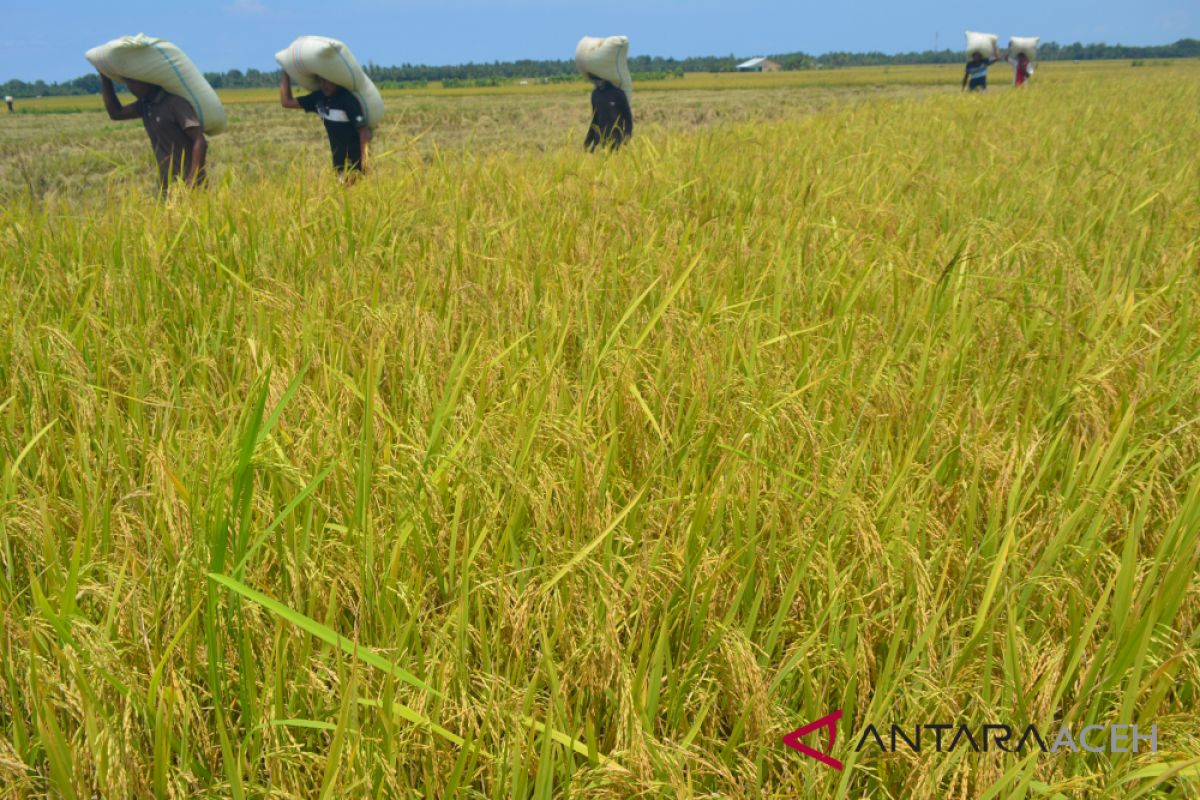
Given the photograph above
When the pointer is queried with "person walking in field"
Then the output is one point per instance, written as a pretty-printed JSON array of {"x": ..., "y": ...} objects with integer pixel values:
[
  {"x": 1023, "y": 70},
  {"x": 345, "y": 122},
  {"x": 612, "y": 118},
  {"x": 173, "y": 126},
  {"x": 8, "y": 101},
  {"x": 975, "y": 75}
]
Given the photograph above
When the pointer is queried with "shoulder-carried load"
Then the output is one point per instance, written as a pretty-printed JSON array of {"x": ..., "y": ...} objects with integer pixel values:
[
  {"x": 310, "y": 58},
  {"x": 982, "y": 43},
  {"x": 157, "y": 61},
  {"x": 1023, "y": 46},
  {"x": 606, "y": 58}
]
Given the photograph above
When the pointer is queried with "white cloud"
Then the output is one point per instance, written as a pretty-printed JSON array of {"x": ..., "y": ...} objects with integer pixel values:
[{"x": 247, "y": 7}]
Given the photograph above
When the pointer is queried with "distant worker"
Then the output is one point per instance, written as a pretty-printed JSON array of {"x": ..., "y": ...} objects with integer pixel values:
[
  {"x": 612, "y": 118},
  {"x": 173, "y": 126},
  {"x": 345, "y": 122},
  {"x": 975, "y": 75},
  {"x": 8, "y": 101},
  {"x": 1023, "y": 70}
]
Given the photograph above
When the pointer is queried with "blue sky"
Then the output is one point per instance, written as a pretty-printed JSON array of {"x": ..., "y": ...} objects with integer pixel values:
[{"x": 47, "y": 38}]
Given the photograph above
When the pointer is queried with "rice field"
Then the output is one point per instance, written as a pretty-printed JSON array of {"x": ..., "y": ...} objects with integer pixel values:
[{"x": 514, "y": 473}]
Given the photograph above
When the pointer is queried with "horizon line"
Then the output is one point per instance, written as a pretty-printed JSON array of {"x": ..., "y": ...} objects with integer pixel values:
[{"x": 499, "y": 62}]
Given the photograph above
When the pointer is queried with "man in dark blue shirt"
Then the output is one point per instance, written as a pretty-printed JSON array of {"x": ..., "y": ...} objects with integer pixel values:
[
  {"x": 975, "y": 75},
  {"x": 612, "y": 119},
  {"x": 345, "y": 122}
]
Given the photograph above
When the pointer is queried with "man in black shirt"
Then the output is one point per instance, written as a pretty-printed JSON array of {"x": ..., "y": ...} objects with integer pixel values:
[
  {"x": 612, "y": 119},
  {"x": 345, "y": 122}
]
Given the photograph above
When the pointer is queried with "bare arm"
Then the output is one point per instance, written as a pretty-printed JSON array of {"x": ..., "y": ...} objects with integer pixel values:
[
  {"x": 285, "y": 93},
  {"x": 112, "y": 105},
  {"x": 199, "y": 154},
  {"x": 364, "y": 138}
]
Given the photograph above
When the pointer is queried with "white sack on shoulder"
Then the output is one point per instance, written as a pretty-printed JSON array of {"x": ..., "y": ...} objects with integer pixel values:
[
  {"x": 1024, "y": 45},
  {"x": 982, "y": 43},
  {"x": 310, "y": 58},
  {"x": 157, "y": 61},
  {"x": 606, "y": 58}
]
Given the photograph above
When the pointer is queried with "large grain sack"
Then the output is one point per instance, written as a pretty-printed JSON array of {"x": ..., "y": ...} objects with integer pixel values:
[
  {"x": 310, "y": 58},
  {"x": 982, "y": 43},
  {"x": 149, "y": 60},
  {"x": 1023, "y": 45},
  {"x": 606, "y": 58}
]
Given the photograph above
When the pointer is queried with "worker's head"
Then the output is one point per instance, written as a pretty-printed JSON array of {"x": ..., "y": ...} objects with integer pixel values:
[
  {"x": 328, "y": 87},
  {"x": 597, "y": 82},
  {"x": 140, "y": 89},
  {"x": 976, "y": 57},
  {"x": 1022, "y": 59}
]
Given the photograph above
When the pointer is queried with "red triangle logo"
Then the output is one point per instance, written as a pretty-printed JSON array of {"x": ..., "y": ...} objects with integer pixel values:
[{"x": 792, "y": 740}]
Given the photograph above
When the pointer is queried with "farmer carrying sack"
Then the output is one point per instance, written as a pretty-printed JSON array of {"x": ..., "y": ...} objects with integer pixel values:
[
  {"x": 157, "y": 61},
  {"x": 607, "y": 59},
  {"x": 310, "y": 58}
]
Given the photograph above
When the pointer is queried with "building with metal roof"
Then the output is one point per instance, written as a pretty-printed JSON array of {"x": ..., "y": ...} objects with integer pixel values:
[{"x": 759, "y": 65}]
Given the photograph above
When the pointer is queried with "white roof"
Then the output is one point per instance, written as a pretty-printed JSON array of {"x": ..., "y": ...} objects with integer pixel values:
[{"x": 754, "y": 62}]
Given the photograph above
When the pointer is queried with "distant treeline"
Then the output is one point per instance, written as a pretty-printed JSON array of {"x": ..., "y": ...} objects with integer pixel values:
[{"x": 644, "y": 67}]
